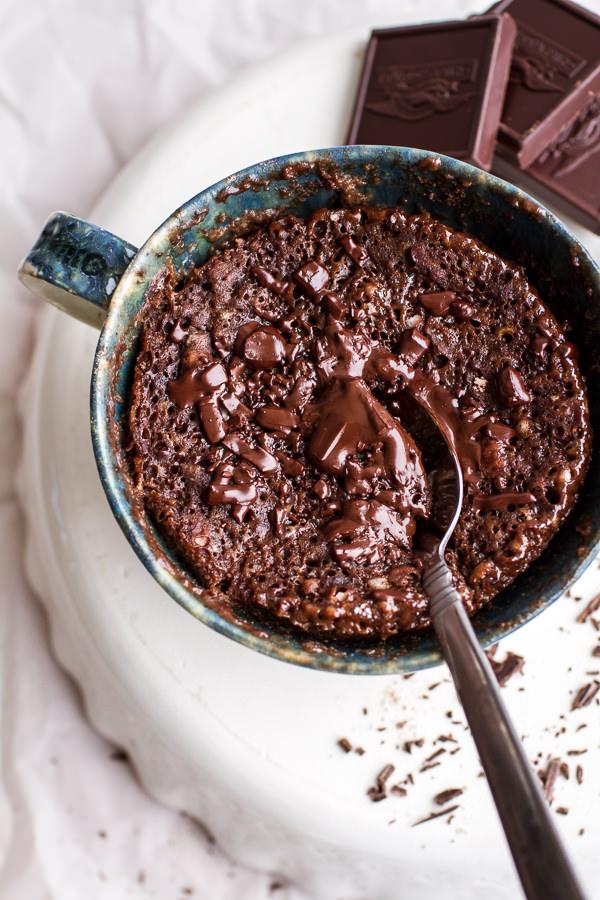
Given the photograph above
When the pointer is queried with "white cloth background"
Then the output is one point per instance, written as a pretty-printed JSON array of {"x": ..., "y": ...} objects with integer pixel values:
[{"x": 82, "y": 86}]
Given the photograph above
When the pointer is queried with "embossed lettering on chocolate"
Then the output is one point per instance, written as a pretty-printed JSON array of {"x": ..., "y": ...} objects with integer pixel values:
[{"x": 274, "y": 445}]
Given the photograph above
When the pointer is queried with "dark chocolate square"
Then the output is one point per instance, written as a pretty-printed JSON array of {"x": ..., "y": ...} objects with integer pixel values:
[
  {"x": 437, "y": 87},
  {"x": 567, "y": 172},
  {"x": 556, "y": 58}
]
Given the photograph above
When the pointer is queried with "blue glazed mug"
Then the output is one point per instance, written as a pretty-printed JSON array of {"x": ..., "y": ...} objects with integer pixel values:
[{"x": 102, "y": 280}]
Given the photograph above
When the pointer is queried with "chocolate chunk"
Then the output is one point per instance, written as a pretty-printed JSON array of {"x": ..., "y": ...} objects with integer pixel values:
[
  {"x": 439, "y": 86},
  {"x": 275, "y": 418},
  {"x": 500, "y": 432},
  {"x": 413, "y": 345},
  {"x": 264, "y": 461},
  {"x": 333, "y": 305},
  {"x": 438, "y": 303},
  {"x": 312, "y": 277},
  {"x": 511, "y": 387},
  {"x": 354, "y": 250},
  {"x": 555, "y": 66},
  {"x": 212, "y": 420},
  {"x": 263, "y": 348},
  {"x": 213, "y": 377}
]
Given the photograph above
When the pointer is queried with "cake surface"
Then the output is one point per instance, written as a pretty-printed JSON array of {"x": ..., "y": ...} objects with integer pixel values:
[{"x": 274, "y": 440}]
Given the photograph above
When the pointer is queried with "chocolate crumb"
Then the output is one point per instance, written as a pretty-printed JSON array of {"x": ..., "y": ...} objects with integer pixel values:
[
  {"x": 276, "y": 886},
  {"x": 345, "y": 744},
  {"x": 585, "y": 695},
  {"x": 408, "y": 745},
  {"x": 562, "y": 810},
  {"x": 436, "y": 815},
  {"x": 446, "y": 796},
  {"x": 592, "y": 606},
  {"x": 596, "y": 650},
  {"x": 579, "y": 774},
  {"x": 564, "y": 770},
  {"x": 447, "y": 737},
  {"x": 359, "y": 750}
]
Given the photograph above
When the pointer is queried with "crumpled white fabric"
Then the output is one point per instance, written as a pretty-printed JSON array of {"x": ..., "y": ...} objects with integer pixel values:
[{"x": 82, "y": 86}]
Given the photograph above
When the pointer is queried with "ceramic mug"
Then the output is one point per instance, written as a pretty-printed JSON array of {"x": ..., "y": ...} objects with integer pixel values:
[{"x": 102, "y": 280}]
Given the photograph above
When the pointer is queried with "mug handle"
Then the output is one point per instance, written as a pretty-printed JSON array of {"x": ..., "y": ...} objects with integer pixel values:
[{"x": 76, "y": 266}]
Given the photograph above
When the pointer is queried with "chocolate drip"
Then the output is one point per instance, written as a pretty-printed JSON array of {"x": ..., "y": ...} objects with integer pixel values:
[
  {"x": 265, "y": 279},
  {"x": 502, "y": 501}
]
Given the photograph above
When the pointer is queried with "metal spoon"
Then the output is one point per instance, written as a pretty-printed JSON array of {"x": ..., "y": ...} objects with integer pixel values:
[{"x": 539, "y": 856}]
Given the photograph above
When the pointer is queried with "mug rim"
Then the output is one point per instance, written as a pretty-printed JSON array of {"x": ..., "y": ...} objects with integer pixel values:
[{"x": 155, "y": 555}]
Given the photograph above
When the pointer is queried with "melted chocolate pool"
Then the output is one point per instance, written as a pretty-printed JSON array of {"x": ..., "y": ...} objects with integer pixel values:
[{"x": 275, "y": 443}]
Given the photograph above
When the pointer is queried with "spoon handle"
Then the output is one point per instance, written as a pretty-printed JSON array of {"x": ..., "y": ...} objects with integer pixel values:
[{"x": 538, "y": 853}]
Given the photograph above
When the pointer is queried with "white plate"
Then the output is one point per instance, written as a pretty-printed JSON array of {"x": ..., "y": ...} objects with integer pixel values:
[{"x": 244, "y": 743}]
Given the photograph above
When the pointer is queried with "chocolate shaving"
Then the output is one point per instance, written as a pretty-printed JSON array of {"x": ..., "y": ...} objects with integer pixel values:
[
  {"x": 446, "y": 796},
  {"x": 562, "y": 810},
  {"x": 378, "y": 791},
  {"x": 436, "y": 815},
  {"x": 398, "y": 790},
  {"x": 592, "y": 607},
  {"x": 345, "y": 744},
  {"x": 549, "y": 777},
  {"x": 436, "y": 754},
  {"x": 585, "y": 695},
  {"x": 509, "y": 666},
  {"x": 408, "y": 745},
  {"x": 579, "y": 774}
]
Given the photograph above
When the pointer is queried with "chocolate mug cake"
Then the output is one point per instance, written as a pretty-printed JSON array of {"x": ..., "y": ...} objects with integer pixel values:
[{"x": 273, "y": 440}]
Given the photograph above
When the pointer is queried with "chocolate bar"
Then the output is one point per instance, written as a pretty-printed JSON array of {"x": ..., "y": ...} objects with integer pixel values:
[
  {"x": 438, "y": 87},
  {"x": 555, "y": 69},
  {"x": 567, "y": 172}
]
